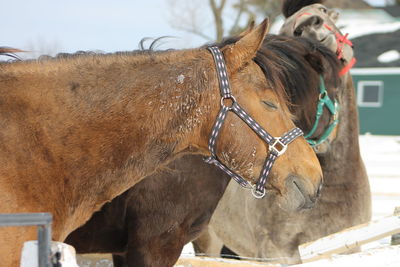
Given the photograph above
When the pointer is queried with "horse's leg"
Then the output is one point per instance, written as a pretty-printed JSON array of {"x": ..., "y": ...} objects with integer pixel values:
[
  {"x": 154, "y": 251},
  {"x": 119, "y": 260},
  {"x": 208, "y": 243},
  {"x": 158, "y": 252}
]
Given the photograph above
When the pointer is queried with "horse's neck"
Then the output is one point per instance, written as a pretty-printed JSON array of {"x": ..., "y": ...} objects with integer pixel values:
[
  {"x": 117, "y": 116},
  {"x": 345, "y": 150},
  {"x": 349, "y": 130},
  {"x": 167, "y": 112}
]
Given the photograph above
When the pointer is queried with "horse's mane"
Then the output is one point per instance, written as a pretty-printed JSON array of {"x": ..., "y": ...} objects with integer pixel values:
[
  {"x": 152, "y": 46},
  {"x": 297, "y": 63},
  {"x": 294, "y": 64},
  {"x": 10, "y": 52},
  {"x": 289, "y": 7},
  {"x": 280, "y": 58}
]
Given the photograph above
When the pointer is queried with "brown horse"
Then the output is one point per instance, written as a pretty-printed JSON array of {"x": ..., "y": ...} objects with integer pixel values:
[
  {"x": 268, "y": 232},
  {"x": 123, "y": 227},
  {"x": 77, "y": 132},
  {"x": 149, "y": 224}
]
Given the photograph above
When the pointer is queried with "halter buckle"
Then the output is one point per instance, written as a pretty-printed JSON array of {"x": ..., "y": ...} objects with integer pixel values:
[{"x": 278, "y": 147}]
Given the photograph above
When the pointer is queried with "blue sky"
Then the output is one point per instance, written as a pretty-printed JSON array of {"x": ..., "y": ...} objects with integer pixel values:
[
  {"x": 113, "y": 25},
  {"x": 85, "y": 24}
]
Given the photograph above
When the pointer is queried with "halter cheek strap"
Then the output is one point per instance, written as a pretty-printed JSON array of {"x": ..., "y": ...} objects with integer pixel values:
[
  {"x": 333, "y": 108},
  {"x": 341, "y": 40},
  {"x": 277, "y": 146},
  {"x": 347, "y": 67}
]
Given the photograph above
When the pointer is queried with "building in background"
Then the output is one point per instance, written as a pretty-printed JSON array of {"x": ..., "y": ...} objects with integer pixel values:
[
  {"x": 376, "y": 75},
  {"x": 378, "y": 99}
]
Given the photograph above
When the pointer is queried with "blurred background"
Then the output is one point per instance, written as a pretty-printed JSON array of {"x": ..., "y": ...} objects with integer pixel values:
[{"x": 52, "y": 26}]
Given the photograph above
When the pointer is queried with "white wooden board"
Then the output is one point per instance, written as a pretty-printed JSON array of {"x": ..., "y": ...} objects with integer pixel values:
[{"x": 349, "y": 238}]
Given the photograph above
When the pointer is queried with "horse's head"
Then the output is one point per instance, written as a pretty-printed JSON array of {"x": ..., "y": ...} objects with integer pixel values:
[
  {"x": 313, "y": 20},
  {"x": 309, "y": 72},
  {"x": 296, "y": 175}
]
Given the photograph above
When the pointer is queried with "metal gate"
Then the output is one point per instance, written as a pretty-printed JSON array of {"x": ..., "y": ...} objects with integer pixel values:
[{"x": 43, "y": 222}]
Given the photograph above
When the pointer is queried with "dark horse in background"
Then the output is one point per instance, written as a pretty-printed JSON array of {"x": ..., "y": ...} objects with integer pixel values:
[
  {"x": 77, "y": 132},
  {"x": 270, "y": 233},
  {"x": 149, "y": 224}
]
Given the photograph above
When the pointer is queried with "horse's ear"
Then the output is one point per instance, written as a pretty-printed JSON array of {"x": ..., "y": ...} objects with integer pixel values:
[
  {"x": 248, "y": 30},
  {"x": 244, "y": 50},
  {"x": 333, "y": 15}
]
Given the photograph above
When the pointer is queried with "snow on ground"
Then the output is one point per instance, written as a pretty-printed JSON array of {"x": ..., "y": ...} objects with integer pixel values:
[
  {"x": 381, "y": 155},
  {"x": 363, "y": 23},
  {"x": 377, "y": 257},
  {"x": 389, "y": 56}
]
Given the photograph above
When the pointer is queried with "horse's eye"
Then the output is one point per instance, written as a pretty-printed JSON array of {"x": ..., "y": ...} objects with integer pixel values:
[
  {"x": 270, "y": 105},
  {"x": 323, "y": 9}
]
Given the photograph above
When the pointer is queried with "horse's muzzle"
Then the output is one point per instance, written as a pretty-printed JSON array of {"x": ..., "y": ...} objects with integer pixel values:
[{"x": 301, "y": 195}]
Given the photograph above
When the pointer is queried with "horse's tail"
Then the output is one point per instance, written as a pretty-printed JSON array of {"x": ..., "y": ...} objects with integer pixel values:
[{"x": 10, "y": 52}]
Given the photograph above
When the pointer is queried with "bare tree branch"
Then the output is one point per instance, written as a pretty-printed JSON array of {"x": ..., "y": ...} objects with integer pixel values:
[
  {"x": 241, "y": 7},
  {"x": 190, "y": 16},
  {"x": 217, "y": 12},
  {"x": 194, "y": 31}
]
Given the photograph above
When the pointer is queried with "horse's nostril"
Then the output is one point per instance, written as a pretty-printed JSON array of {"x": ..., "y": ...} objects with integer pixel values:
[
  {"x": 298, "y": 32},
  {"x": 317, "y": 21},
  {"x": 308, "y": 200}
]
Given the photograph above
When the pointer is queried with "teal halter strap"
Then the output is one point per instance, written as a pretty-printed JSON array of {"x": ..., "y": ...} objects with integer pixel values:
[{"x": 332, "y": 106}]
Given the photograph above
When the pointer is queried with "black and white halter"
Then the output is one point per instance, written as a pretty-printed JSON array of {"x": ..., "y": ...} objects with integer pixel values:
[{"x": 277, "y": 145}]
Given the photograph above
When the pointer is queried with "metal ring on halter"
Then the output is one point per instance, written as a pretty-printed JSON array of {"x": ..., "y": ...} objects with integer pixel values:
[
  {"x": 257, "y": 194},
  {"x": 336, "y": 115},
  {"x": 278, "y": 151},
  {"x": 322, "y": 95},
  {"x": 232, "y": 98}
]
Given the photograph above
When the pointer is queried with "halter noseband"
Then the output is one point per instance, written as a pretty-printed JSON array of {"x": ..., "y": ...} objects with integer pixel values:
[
  {"x": 277, "y": 146},
  {"x": 332, "y": 106}
]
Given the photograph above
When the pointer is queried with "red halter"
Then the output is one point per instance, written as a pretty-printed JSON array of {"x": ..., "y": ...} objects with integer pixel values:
[{"x": 341, "y": 40}]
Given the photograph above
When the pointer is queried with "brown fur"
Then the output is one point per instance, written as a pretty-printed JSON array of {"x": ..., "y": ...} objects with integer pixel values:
[
  {"x": 271, "y": 233},
  {"x": 77, "y": 132},
  {"x": 150, "y": 223}
]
